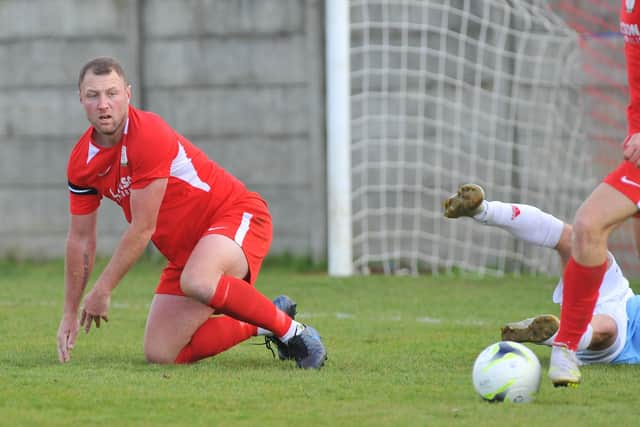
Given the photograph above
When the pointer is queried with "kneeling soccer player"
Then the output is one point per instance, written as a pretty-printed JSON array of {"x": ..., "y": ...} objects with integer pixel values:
[{"x": 213, "y": 231}]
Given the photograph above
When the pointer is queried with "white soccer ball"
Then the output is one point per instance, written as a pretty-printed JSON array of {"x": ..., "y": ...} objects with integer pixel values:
[{"x": 507, "y": 371}]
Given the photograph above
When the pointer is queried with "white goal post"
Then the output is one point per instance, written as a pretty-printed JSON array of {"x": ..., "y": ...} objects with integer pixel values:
[
  {"x": 340, "y": 254},
  {"x": 440, "y": 93}
]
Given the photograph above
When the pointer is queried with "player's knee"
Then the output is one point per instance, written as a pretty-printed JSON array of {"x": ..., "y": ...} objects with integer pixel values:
[
  {"x": 188, "y": 284},
  {"x": 158, "y": 358},
  {"x": 198, "y": 286},
  {"x": 605, "y": 332},
  {"x": 586, "y": 232},
  {"x": 158, "y": 355},
  {"x": 602, "y": 340}
]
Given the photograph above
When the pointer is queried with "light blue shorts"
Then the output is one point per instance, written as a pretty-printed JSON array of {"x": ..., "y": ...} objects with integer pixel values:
[{"x": 630, "y": 353}]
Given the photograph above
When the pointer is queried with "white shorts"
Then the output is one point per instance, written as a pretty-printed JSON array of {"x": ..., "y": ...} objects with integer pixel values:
[
  {"x": 612, "y": 301},
  {"x": 618, "y": 311}
]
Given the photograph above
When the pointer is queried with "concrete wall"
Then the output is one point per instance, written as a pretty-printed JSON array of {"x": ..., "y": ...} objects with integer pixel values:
[{"x": 243, "y": 79}]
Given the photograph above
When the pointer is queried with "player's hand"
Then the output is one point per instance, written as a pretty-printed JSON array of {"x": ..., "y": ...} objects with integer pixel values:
[
  {"x": 95, "y": 309},
  {"x": 632, "y": 149},
  {"x": 67, "y": 333}
]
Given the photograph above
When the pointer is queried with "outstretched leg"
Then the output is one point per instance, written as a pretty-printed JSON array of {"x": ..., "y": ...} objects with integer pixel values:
[
  {"x": 583, "y": 276},
  {"x": 525, "y": 222},
  {"x": 542, "y": 329}
]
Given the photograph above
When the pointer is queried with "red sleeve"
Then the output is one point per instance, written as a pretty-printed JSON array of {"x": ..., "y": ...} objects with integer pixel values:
[
  {"x": 83, "y": 204},
  {"x": 83, "y": 198},
  {"x": 151, "y": 154}
]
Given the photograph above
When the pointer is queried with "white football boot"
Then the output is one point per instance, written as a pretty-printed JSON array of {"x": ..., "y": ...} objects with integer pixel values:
[{"x": 563, "y": 367}]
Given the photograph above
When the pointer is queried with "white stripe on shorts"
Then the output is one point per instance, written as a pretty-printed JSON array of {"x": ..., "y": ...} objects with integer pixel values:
[{"x": 244, "y": 227}]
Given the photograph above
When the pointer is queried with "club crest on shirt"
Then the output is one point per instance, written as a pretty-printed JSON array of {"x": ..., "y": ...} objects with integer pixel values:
[{"x": 630, "y": 4}]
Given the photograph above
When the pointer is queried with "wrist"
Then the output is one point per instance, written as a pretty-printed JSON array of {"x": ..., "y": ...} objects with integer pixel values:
[
  {"x": 70, "y": 314},
  {"x": 102, "y": 289}
]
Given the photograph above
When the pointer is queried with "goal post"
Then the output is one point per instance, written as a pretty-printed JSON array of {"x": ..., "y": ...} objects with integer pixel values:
[
  {"x": 444, "y": 92},
  {"x": 340, "y": 254}
]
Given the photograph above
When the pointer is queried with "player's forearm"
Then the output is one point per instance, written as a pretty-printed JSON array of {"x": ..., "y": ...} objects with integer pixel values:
[
  {"x": 132, "y": 245},
  {"x": 79, "y": 260}
]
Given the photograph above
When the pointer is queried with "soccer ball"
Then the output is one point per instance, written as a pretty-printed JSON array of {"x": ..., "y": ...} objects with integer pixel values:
[{"x": 507, "y": 371}]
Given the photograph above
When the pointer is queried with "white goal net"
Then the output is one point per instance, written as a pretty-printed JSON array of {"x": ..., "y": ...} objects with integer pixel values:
[{"x": 445, "y": 92}]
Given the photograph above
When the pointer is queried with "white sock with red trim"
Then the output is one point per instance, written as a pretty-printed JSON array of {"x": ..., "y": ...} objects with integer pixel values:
[{"x": 525, "y": 222}]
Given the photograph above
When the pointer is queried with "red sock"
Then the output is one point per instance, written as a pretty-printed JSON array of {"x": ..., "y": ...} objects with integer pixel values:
[
  {"x": 238, "y": 299},
  {"x": 580, "y": 291},
  {"x": 214, "y": 336}
]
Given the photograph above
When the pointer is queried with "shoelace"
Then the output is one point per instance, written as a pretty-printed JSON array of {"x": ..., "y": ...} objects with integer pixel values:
[
  {"x": 270, "y": 340},
  {"x": 267, "y": 344}
]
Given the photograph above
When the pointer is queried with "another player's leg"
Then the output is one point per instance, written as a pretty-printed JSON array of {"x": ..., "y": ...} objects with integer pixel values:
[
  {"x": 564, "y": 367},
  {"x": 211, "y": 276},
  {"x": 525, "y": 222},
  {"x": 219, "y": 333},
  {"x": 542, "y": 329},
  {"x": 171, "y": 323},
  {"x": 538, "y": 330},
  {"x": 242, "y": 301},
  {"x": 182, "y": 330},
  {"x": 603, "y": 331},
  {"x": 287, "y": 305},
  {"x": 583, "y": 275}
]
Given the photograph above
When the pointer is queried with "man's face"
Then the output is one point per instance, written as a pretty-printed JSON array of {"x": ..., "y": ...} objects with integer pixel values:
[{"x": 105, "y": 99}]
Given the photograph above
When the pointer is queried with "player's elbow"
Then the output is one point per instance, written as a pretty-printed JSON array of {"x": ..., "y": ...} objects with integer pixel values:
[{"x": 143, "y": 229}]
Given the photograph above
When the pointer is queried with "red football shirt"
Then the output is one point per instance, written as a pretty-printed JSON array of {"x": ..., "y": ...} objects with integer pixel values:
[
  {"x": 150, "y": 149},
  {"x": 630, "y": 29}
]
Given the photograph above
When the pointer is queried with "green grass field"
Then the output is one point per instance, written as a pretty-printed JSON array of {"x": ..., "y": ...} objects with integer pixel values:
[{"x": 400, "y": 354}]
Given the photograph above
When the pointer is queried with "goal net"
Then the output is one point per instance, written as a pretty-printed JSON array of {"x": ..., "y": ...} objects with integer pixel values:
[{"x": 445, "y": 92}]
